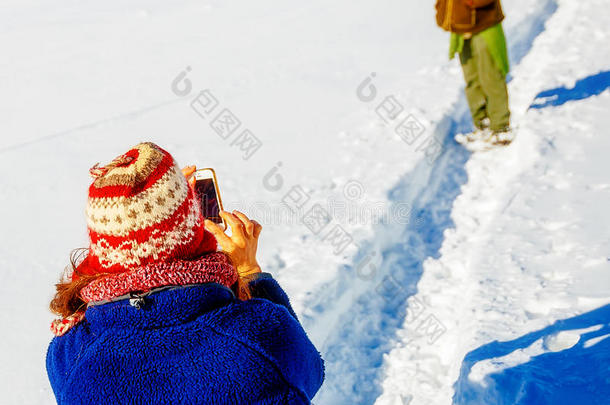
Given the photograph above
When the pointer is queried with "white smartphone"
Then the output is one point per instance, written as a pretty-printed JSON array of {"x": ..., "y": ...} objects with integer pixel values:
[{"x": 206, "y": 188}]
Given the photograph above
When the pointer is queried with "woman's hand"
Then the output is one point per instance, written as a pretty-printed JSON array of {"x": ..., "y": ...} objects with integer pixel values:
[
  {"x": 241, "y": 246},
  {"x": 188, "y": 173}
]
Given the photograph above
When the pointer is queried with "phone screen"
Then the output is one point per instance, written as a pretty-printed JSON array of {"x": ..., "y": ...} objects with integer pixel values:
[{"x": 209, "y": 200}]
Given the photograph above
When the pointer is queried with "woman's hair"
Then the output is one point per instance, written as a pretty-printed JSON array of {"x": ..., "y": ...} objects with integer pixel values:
[
  {"x": 241, "y": 289},
  {"x": 67, "y": 300}
]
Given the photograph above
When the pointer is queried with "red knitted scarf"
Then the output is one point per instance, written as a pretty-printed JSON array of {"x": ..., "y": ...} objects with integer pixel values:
[{"x": 212, "y": 267}]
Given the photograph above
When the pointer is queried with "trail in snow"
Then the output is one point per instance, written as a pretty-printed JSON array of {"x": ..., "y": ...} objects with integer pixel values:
[
  {"x": 372, "y": 300},
  {"x": 369, "y": 304},
  {"x": 527, "y": 248},
  {"x": 523, "y": 34}
]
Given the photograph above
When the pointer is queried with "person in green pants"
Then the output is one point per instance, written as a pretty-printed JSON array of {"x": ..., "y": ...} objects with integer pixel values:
[{"x": 477, "y": 36}]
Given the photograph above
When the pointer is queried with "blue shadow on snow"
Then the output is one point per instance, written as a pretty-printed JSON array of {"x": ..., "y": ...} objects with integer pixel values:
[
  {"x": 577, "y": 375},
  {"x": 584, "y": 88}
]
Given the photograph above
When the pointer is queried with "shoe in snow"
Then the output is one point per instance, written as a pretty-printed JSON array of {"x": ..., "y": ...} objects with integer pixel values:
[
  {"x": 478, "y": 135},
  {"x": 502, "y": 137},
  {"x": 484, "y": 123}
]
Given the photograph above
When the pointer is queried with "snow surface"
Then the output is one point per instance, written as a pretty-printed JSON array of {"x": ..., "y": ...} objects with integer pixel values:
[{"x": 467, "y": 278}]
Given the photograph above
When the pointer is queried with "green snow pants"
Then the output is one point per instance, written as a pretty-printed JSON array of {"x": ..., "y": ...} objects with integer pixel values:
[{"x": 485, "y": 85}]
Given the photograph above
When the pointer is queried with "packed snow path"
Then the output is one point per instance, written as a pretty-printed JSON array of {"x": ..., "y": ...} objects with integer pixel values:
[
  {"x": 369, "y": 305},
  {"x": 522, "y": 283}
]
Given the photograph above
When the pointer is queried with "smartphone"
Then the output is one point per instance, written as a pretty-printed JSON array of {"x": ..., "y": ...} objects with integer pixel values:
[{"x": 206, "y": 189}]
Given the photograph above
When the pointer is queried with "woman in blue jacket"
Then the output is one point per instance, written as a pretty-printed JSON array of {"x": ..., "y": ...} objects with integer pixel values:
[{"x": 153, "y": 314}]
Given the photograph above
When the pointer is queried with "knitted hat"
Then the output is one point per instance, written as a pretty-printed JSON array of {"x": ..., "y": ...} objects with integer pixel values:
[{"x": 140, "y": 210}]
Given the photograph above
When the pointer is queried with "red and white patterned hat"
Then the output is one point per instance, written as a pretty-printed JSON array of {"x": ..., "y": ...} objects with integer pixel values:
[{"x": 140, "y": 210}]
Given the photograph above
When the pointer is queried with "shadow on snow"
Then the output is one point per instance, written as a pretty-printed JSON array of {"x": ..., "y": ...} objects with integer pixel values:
[
  {"x": 584, "y": 88},
  {"x": 577, "y": 375}
]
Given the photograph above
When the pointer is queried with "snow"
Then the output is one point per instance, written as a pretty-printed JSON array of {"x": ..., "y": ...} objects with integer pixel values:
[
  {"x": 464, "y": 275},
  {"x": 530, "y": 243}
]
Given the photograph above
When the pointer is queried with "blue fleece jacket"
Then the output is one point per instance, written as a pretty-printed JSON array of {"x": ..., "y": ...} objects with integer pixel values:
[{"x": 188, "y": 345}]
